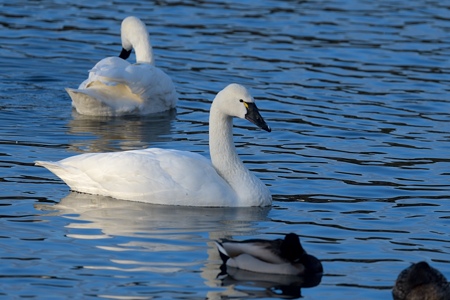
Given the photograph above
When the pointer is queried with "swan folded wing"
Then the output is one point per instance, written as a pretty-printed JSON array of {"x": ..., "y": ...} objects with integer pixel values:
[
  {"x": 130, "y": 174},
  {"x": 152, "y": 175},
  {"x": 103, "y": 100},
  {"x": 72, "y": 176},
  {"x": 110, "y": 71},
  {"x": 195, "y": 175},
  {"x": 139, "y": 77},
  {"x": 152, "y": 84},
  {"x": 141, "y": 82}
]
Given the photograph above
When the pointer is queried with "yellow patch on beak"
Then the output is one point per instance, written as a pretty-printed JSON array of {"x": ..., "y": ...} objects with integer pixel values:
[{"x": 245, "y": 104}]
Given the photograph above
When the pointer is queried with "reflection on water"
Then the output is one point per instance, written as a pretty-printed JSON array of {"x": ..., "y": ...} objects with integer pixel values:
[
  {"x": 356, "y": 94},
  {"x": 154, "y": 229},
  {"x": 256, "y": 285},
  {"x": 124, "y": 133},
  {"x": 127, "y": 218}
]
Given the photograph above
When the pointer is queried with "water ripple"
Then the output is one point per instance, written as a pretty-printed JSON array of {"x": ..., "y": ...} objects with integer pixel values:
[{"x": 356, "y": 94}]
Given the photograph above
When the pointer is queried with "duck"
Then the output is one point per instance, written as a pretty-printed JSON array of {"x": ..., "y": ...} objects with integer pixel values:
[
  {"x": 280, "y": 256},
  {"x": 420, "y": 281},
  {"x": 115, "y": 87},
  {"x": 175, "y": 177}
]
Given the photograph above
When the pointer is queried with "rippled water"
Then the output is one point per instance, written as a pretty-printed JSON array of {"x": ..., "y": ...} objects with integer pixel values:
[{"x": 357, "y": 95}]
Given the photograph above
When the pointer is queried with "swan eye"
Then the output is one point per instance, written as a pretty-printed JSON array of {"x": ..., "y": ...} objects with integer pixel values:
[{"x": 245, "y": 103}]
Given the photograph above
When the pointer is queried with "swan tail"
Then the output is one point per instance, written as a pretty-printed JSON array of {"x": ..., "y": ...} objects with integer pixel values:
[
  {"x": 86, "y": 103},
  {"x": 70, "y": 175},
  {"x": 56, "y": 168},
  {"x": 47, "y": 164}
]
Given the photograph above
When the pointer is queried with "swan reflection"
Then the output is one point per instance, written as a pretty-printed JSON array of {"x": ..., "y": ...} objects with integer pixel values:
[
  {"x": 157, "y": 233},
  {"x": 159, "y": 239},
  {"x": 135, "y": 219},
  {"x": 119, "y": 133}
]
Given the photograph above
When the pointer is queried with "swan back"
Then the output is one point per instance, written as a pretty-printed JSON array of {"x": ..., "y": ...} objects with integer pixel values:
[{"x": 135, "y": 36}]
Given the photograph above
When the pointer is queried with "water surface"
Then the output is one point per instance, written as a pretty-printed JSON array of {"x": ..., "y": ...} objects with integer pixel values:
[{"x": 356, "y": 93}]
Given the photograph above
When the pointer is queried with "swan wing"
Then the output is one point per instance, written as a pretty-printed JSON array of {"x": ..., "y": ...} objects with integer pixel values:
[
  {"x": 153, "y": 175},
  {"x": 109, "y": 70},
  {"x": 152, "y": 84},
  {"x": 116, "y": 87}
]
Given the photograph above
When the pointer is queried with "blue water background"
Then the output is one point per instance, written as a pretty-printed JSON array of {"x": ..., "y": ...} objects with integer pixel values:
[{"x": 357, "y": 95}]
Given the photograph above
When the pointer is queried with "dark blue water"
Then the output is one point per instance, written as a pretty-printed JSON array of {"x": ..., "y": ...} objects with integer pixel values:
[{"x": 357, "y": 95}]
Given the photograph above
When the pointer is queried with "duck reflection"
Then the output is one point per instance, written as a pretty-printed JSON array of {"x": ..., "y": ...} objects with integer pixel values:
[
  {"x": 256, "y": 285},
  {"x": 120, "y": 133}
]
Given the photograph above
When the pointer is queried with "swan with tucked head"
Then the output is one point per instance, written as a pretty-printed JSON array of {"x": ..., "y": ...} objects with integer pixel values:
[
  {"x": 115, "y": 87},
  {"x": 173, "y": 177}
]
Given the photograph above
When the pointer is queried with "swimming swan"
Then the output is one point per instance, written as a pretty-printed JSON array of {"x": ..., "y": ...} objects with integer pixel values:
[
  {"x": 115, "y": 87},
  {"x": 173, "y": 177},
  {"x": 281, "y": 256}
]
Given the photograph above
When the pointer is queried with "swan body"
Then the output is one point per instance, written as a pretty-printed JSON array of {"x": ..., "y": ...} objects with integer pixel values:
[
  {"x": 115, "y": 87},
  {"x": 172, "y": 177},
  {"x": 281, "y": 256},
  {"x": 420, "y": 281}
]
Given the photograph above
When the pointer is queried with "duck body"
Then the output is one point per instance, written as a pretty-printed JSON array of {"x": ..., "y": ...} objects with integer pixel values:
[
  {"x": 115, "y": 87},
  {"x": 173, "y": 177},
  {"x": 420, "y": 281},
  {"x": 281, "y": 256}
]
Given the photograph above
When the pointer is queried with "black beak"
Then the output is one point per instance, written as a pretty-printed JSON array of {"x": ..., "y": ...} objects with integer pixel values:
[
  {"x": 254, "y": 116},
  {"x": 125, "y": 53}
]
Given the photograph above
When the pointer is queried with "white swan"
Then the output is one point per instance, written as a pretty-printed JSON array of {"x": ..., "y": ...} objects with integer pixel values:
[
  {"x": 115, "y": 87},
  {"x": 173, "y": 177}
]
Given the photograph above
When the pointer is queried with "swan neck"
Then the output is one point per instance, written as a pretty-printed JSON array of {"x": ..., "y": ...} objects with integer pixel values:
[
  {"x": 250, "y": 191},
  {"x": 223, "y": 153},
  {"x": 144, "y": 51}
]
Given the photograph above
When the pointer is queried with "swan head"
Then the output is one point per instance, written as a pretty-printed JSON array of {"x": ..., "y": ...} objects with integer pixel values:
[
  {"x": 235, "y": 101},
  {"x": 134, "y": 35}
]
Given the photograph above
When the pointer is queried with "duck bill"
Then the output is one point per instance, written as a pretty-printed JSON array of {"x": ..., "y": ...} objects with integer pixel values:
[
  {"x": 124, "y": 54},
  {"x": 255, "y": 117}
]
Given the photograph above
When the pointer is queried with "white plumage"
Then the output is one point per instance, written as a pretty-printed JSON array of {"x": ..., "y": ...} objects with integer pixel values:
[
  {"x": 115, "y": 87},
  {"x": 173, "y": 177}
]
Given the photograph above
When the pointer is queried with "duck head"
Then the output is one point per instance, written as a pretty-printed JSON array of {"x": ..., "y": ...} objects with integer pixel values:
[{"x": 291, "y": 249}]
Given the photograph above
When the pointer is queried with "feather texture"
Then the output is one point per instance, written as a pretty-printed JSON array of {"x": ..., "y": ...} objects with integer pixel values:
[
  {"x": 115, "y": 87},
  {"x": 173, "y": 177}
]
